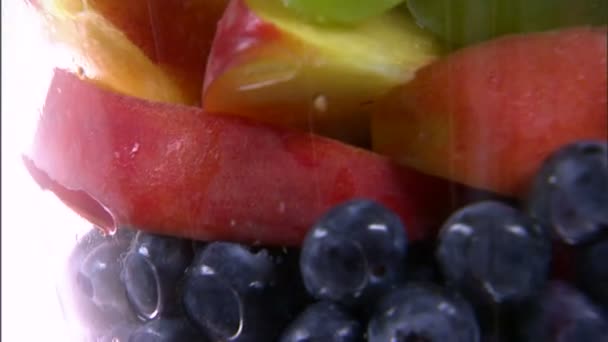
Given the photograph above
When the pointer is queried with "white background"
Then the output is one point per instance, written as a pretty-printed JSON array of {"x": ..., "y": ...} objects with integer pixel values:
[{"x": 37, "y": 230}]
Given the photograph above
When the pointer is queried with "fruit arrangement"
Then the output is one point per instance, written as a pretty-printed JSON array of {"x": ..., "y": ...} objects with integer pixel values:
[{"x": 307, "y": 170}]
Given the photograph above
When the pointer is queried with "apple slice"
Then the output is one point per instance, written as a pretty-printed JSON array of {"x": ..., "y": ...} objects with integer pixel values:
[
  {"x": 275, "y": 66},
  {"x": 136, "y": 47},
  {"x": 121, "y": 161},
  {"x": 488, "y": 115}
]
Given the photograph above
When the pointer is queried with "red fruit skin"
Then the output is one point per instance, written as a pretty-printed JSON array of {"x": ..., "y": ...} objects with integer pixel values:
[
  {"x": 176, "y": 34},
  {"x": 175, "y": 170},
  {"x": 488, "y": 115},
  {"x": 237, "y": 30}
]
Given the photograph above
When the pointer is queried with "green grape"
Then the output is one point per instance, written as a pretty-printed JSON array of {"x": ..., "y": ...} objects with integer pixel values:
[
  {"x": 342, "y": 11},
  {"x": 463, "y": 22}
]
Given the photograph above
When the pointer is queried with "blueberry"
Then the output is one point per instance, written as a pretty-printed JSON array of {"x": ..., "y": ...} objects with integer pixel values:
[
  {"x": 228, "y": 293},
  {"x": 323, "y": 322},
  {"x": 167, "y": 330},
  {"x": 593, "y": 271},
  {"x": 570, "y": 192},
  {"x": 93, "y": 239},
  {"x": 494, "y": 253},
  {"x": 423, "y": 312},
  {"x": 75, "y": 288},
  {"x": 355, "y": 252},
  {"x": 143, "y": 286},
  {"x": 562, "y": 314},
  {"x": 153, "y": 268},
  {"x": 98, "y": 291}
]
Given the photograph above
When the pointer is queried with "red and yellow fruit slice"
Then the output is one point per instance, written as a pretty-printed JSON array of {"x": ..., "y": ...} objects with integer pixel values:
[
  {"x": 171, "y": 169},
  {"x": 488, "y": 115},
  {"x": 153, "y": 49},
  {"x": 272, "y": 65}
]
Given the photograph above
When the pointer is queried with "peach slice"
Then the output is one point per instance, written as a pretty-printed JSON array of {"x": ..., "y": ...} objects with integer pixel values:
[
  {"x": 124, "y": 162},
  {"x": 136, "y": 47},
  {"x": 488, "y": 115}
]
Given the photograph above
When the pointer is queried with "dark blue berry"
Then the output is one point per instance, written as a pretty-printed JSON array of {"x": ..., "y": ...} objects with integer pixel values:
[
  {"x": 76, "y": 287},
  {"x": 323, "y": 322},
  {"x": 228, "y": 293},
  {"x": 354, "y": 253},
  {"x": 98, "y": 294},
  {"x": 142, "y": 284},
  {"x": 153, "y": 268},
  {"x": 167, "y": 330},
  {"x": 593, "y": 271},
  {"x": 423, "y": 312},
  {"x": 494, "y": 253},
  {"x": 570, "y": 192},
  {"x": 562, "y": 314}
]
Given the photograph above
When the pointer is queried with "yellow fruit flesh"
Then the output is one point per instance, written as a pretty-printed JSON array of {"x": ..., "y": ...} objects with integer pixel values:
[
  {"x": 389, "y": 46},
  {"x": 106, "y": 55},
  {"x": 321, "y": 78}
]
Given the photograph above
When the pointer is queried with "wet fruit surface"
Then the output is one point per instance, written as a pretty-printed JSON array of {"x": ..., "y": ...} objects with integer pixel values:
[
  {"x": 562, "y": 313},
  {"x": 570, "y": 193},
  {"x": 485, "y": 278},
  {"x": 423, "y": 313},
  {"x": 494, "y": 252},
  {"x": 323, "y": 321},
  {"x": 354, "y": 253},
  {"x": 225, "y": 291},
  {"x": 236, "y": 221}
]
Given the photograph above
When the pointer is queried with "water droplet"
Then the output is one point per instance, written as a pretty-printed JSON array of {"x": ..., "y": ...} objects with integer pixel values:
[
  {"x": 134, "y": 149},
  {"x": 282, "y": 207},
  {"x": 232, "y": 223},
  {"x": 80, "y": 72},
  {"x": 320, "y": 103},
  {"x": 111, "y": 231}
]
